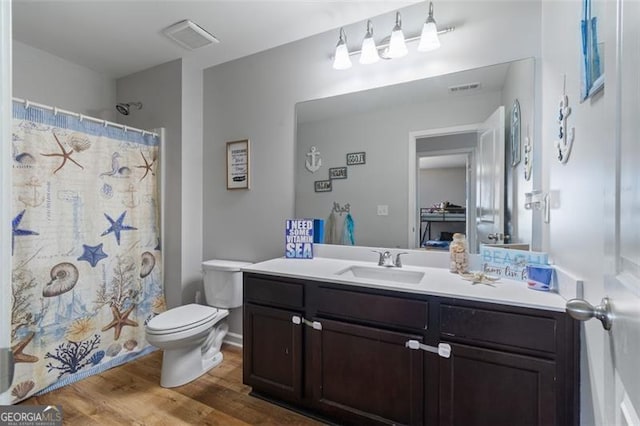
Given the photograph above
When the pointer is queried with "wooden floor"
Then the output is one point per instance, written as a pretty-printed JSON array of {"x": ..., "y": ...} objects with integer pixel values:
[{"x": 131, "y": 395}]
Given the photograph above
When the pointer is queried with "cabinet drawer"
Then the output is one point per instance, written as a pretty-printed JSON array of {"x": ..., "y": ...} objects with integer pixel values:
[
  {"x": 273, "y": 292},
  {"x": 502, "y": 328},
  {"x": 392, "y": 311}
]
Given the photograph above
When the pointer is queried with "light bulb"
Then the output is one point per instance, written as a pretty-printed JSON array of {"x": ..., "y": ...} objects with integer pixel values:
[
  {"x": 341, "y": 60},
  {"x": 369, "y": 53},
  {"x": 429, "y": 38},
  {"x": 397, "y": 46}
]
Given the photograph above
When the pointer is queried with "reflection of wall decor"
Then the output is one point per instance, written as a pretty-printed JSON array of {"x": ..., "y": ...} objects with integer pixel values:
[
  {"x": 337, "y": 173},
  {"x": 314, "y": 162},
  {"x": 516, "y": 149},
  {"x": 565, "y": 135},
  {"x": 528, "y": 156},
  {"x": 354, "y": 158},
  {"x": 337, "y": 208},
  {"x": 322, "y": 185},
  {"x": 238, "y": 164}
]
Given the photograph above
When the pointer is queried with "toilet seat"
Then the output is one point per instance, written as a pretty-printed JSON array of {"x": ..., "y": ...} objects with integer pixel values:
[{"x": 184, "y": 318}]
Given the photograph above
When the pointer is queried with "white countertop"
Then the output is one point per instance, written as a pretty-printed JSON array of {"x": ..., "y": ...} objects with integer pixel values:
[{"x": 436, "y": 282}]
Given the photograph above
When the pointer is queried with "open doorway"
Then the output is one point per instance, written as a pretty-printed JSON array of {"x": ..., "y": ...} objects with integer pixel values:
[{"x": 443, "y": 191}]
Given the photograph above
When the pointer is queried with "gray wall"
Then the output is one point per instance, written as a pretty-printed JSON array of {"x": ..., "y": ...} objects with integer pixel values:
[
  {"x": 384, "y": 135},
  {"x": 47, "y": 79},
  {"x": 254, "y": 98},
  {"x": 160, "y": 90}
]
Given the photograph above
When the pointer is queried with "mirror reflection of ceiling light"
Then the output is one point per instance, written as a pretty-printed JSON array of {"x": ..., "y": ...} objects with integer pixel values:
[{"x": 394, "y": 46}]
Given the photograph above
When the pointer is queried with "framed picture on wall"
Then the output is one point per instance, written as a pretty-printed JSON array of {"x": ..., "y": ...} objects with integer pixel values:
[{"x": 238, "y": 164}]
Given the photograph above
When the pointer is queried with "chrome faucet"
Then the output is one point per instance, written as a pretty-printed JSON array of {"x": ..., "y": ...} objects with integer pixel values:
[{"x": 386, "y": 259}]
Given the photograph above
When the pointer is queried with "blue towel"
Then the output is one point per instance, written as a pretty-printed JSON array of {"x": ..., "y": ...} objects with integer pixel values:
[
  {"x": 318, "y": 231},
  {"x": 348, "y": 238}
]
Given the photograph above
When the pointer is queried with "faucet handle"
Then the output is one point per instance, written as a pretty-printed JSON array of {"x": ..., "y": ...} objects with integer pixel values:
[
  {"x": 398, "y": 260},
  {"x": 380, "y": 260},
  {"x": 385, "y": 258}
]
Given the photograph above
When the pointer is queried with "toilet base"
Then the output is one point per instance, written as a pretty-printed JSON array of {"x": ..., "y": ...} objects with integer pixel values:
[{"x": 181, "y": 366}]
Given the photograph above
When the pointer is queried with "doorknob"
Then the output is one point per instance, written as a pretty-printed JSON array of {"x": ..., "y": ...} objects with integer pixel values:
[{"x": 583, "y": 311}]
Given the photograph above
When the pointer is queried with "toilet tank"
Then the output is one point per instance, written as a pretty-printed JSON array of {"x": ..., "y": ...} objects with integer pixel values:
[{"x": 223, "y": 283}]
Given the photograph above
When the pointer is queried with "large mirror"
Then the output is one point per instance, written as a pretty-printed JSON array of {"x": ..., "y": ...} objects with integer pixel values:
[{"x": 415, "y": 162}]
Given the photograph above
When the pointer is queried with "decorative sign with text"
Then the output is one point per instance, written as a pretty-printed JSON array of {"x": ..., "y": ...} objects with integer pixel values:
[
  {"x": 355, "y": 158},
  {"x": 337, "y": 173},
  {"x": 509, "y": 263},
  {"x": 299, "y": 239}
]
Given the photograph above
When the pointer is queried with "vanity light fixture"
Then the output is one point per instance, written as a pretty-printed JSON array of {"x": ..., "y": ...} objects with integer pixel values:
[
  {"x": 342, "y": 61},
  {"x": 391, "y": 47},
  {"x": 429, "y": 37},
  {"x": 397, "y": 46},
  {"x": 369, "y": 53}
]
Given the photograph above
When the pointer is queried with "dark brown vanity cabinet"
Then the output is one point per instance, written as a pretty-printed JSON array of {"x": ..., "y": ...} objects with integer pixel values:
[
  {"x": 273, "y": 342},
  {"x": 341, "y": 352}
]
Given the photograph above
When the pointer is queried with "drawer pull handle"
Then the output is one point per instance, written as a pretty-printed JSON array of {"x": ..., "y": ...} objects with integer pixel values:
[
  {"x": 313, "y": 324},
  {"x": 296, "y": 319},
  {"x": 443, "y": 349}
]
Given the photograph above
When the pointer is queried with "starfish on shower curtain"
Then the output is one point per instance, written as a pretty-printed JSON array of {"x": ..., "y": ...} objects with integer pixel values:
[
  {"x": 17, "y": 232},
  {"x": 117, "y": 226},
  {"x": 65, "y": 155},
  {"x": 146, "y": 166},
  {"x": 120, "y": 319},
  {"x": 18, "y": 355}
]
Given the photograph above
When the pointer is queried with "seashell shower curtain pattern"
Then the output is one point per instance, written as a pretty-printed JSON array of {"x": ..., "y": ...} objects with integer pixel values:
[{"x": 86, "y": 264}]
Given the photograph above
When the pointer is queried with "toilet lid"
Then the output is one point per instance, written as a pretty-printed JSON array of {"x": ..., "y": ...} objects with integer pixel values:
[{"x": 181, "y": 318}]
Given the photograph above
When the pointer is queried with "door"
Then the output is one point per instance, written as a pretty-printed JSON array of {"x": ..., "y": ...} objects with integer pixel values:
[
  {"x": 622, "y": 282},
  {"x": 273, "y": 351},
  {"x": 490, "y": 180},
  {"x": 619, "y": 309},
  {"x": 366, "y": 375},
  {"x": 488, "y": 387},
  {"x": 6, "y": 365}
]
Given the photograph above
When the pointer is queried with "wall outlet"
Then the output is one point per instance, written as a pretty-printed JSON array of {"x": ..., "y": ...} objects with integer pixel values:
[{"x": 383, "y": 210}]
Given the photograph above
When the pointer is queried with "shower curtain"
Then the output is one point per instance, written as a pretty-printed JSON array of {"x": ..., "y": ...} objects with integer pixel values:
[{"x": 86, "y": 264}]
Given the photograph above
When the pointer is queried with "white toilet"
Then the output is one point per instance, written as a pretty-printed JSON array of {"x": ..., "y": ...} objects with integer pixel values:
[{"x": 191, "y": 335}]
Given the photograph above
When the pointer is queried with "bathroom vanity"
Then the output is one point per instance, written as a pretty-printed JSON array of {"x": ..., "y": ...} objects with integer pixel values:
[{"x": 325, "y": 340}]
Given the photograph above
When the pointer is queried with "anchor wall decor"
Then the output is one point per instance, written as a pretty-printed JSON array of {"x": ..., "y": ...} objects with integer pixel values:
[{"x": 314, "y": 162}]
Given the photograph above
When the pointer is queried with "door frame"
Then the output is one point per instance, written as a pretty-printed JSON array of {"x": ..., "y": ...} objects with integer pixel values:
[
  {"x": 413, "y": 225},
  {"x": 5, "y": 180}
]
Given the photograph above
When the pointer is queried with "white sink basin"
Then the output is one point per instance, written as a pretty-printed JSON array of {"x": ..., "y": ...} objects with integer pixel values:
[{"x": 382, "y": 273}]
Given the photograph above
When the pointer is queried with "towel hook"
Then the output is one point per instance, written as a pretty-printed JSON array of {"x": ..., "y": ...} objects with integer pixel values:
[{"x": 337, "y": 208}]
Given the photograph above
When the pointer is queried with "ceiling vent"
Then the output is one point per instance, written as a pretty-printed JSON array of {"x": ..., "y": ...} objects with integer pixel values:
[
  {"x": 464, "y": 87},
  {"x": 189, "y": 35}
]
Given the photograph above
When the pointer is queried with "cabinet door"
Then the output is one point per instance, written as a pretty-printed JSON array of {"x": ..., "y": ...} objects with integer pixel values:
[
  {"x": 366, "y": 375},
  {"x": 272, "y": 356},
  {"x": 487, "y": 387}
]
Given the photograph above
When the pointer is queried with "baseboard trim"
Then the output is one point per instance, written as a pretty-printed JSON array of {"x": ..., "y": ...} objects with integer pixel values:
[{"x": 233, "y": 339}]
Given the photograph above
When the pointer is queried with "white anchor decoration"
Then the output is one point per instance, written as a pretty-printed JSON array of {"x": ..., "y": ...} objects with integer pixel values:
[
  {"x": 565, "y": 136},
  {"x": 314, "y": 162}
]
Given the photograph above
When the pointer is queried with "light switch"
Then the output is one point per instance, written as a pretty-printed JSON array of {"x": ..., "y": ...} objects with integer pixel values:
[{"x": 383, "y": 210}]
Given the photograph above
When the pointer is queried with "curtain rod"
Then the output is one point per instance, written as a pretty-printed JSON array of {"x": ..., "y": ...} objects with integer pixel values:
[{"x": 27, "y": 103}]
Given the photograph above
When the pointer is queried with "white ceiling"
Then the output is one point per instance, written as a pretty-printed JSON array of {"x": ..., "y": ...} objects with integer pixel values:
[
  {"x": 434, "y": 89},
  {"x": 120, "y": 37}
]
